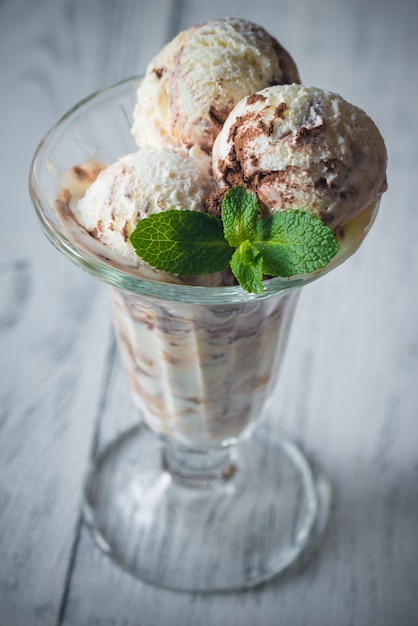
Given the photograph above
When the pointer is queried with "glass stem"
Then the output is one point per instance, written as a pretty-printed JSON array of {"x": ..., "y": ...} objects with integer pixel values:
[{"x": 198, "y": 468}]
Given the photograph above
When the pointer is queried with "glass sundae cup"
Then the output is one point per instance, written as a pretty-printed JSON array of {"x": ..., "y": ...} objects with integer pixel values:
[{"x": 197, "y": 496}]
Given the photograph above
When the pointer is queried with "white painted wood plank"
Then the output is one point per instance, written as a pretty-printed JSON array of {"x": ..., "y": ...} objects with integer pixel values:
[
  {"x": 348, "y": 391},
  {"x": 55, "y": 328},
  {"x": 49, "y": 397}
]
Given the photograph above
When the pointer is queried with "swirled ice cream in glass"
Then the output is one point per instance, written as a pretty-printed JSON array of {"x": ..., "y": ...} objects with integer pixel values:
[{"x": 198, "y": 495}]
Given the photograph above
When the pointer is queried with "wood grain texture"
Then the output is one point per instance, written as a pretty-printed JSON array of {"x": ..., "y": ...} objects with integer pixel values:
[
  {"x": 348, "y": 393},
  {"x": 54, "y": 321}
]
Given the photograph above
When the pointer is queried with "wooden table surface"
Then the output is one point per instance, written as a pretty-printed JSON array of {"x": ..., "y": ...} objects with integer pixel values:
[{"x": 349, "y": 389}]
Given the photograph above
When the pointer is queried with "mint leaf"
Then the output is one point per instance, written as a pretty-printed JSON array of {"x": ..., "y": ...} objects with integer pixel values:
[
  {"x": 239, "y": 216},
  {"x": 182, "y": 242},
  {"x": 294, "y": 242},
  {"x": 246, "y": 264},
  {"x": 192, "y": 243}
]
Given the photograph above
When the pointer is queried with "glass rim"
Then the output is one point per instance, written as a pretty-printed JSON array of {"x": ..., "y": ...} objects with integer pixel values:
[{"x": 106, "y": 271}]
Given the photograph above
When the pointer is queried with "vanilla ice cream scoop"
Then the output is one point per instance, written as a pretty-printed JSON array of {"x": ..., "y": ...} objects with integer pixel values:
[
  {"x": 193, "y": 83},
  {"x": 138, "y": 185},
  {"x": 303, "y": 147},
  {"x": 100, "y": 206}
]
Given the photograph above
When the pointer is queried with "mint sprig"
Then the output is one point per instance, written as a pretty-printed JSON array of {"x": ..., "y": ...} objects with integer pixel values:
[
  {"x": 182, "y": 242},
  {"x": 191, "y": 243},
  {"x": 294, "y": 242},
  {"x": 239, "y": 216},
  {"x": 247, "y": 267}
]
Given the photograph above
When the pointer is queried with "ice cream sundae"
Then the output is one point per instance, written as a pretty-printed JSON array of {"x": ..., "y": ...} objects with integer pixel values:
[{"x": 221, "y": 109}]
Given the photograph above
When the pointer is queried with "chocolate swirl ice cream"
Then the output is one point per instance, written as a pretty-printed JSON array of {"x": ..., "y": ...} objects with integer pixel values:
[
  {"x": 100, "y": 206},
  {"x": 193, "y": 83},
  {"x": 202, "y": 375},
  {"x": 202, "y": 372},
  {"x": 302, "y": 147}
]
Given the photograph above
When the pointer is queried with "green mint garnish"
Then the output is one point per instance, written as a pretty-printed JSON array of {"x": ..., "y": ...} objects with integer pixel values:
[
  {"x": 239, "y": 216},
  {"x": 190, "y": 243},
  {"x": 182, "y": 242},
  {"x": 247, "y": 266},
  {"x": 294, "y": 242}
]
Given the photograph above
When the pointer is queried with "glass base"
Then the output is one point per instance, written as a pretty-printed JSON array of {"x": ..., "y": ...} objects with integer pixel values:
[{"x": 235, "y": 532}]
